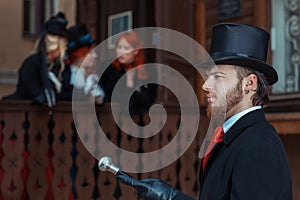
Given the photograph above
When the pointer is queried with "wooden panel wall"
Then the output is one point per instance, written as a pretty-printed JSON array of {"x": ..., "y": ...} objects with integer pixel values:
[
  {"x": 87, "y": 12},
  {"x": 247, "y": 16},
  {"x": 288, "y": 126}
]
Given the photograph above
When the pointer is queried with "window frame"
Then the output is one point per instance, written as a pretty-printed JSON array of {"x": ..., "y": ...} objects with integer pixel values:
[
  {"x": 284, "y": 38},
  {"x": 118, "y": 23},
  {"x": 35, "y": 13},
  {"x": 281, "y": 100}
]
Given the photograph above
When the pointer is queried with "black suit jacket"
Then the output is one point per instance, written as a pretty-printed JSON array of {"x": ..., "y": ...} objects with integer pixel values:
[
  {"x": 68, "y": 90},
  {"x": 30, "y": 82},
  {"x": 140, "y": 101},
  {"x": 250, "y": 163}
]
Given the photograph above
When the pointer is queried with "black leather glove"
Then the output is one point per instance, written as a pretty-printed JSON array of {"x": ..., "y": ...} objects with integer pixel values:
[
  {"x": 153, "y": 189},
  {"x": 48, "y": 96},
  {"x": 39, "y": 99}
]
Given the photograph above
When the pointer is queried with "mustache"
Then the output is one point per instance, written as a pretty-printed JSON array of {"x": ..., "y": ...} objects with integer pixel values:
[{"x": 209, "y": 94}]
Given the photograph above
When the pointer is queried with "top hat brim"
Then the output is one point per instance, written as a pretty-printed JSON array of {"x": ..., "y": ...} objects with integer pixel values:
[
  {"x": 72, "y": 46},
  {"x": 251, "y": 63}
]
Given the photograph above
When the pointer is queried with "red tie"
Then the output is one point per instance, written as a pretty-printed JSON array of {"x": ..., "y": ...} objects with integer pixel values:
[{"x": 217, "y": 137}]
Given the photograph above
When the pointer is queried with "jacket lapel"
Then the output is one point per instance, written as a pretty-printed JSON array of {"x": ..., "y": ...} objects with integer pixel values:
[
  {"x": 215, "y": 151},
  {"x": 243, "y": 123}
]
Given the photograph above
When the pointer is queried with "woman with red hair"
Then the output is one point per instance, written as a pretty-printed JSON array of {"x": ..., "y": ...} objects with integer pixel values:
[
  {"x": 80, "y": 75},
  {"x": 128, "y": 48}
]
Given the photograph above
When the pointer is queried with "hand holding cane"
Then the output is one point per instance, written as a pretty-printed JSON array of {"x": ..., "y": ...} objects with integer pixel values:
[{"x": 148, "y": 189}]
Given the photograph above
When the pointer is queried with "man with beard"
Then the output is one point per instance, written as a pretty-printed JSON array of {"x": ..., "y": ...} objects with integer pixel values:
[{"x": 245, "y": 158}]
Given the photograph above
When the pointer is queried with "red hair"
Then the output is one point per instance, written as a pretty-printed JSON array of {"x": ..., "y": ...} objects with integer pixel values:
[
  {"x": 77, "y": 54},
  {"x": 133, "y": 39}
]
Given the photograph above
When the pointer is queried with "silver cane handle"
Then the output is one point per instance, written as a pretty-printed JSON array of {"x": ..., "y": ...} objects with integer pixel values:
[{"x": 105, "y": 164}]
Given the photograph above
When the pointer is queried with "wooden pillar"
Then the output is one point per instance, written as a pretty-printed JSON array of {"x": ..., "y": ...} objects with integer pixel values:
[
  {"x": 261, "y": 13},
  {"x": 262, "y": 18},
  {"x": 200, "y": 36}
]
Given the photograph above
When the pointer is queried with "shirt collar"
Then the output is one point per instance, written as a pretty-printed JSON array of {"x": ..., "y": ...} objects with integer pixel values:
[
  {"x": 233, "y": 119},
  {"x": 74, "y": 68}
]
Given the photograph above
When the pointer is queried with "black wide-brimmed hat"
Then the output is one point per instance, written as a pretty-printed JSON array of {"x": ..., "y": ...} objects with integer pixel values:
[
  {"x": 78, "y": 36},
  {"x": 242, "y": 45},
  {"x": 56, "y": 25}
]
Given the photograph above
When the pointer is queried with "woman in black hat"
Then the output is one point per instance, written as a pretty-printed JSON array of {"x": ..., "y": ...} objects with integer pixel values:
[
  {"x": 245, "y": 158},
  {"x": 80, "y": 74},
  {"x": 40, "y": 73}
]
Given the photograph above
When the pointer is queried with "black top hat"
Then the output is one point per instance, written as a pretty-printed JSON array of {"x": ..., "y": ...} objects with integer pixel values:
[
  {"x": 242, "y": 45},
  {"x": 78, "y": 36},
  {"x": 56, "y": 25}
]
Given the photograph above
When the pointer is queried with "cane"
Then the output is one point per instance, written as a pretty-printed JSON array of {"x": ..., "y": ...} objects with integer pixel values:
[{"x": 105, "y": 164}]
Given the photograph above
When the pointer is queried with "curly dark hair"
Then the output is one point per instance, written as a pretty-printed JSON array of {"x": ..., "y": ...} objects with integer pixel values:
[{"x": 261, "y": 97}]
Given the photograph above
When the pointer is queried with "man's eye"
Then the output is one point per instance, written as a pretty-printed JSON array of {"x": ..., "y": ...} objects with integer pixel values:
[{"x": 218, "y": 76}]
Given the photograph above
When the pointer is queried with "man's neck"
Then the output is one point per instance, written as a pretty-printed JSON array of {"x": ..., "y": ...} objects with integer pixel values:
[{"x": 238, "y": 108}]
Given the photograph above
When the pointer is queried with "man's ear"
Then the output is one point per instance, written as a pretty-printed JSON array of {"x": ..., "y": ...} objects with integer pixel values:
[
  {"x": 251, "y": 82},
  {"x": 136, "y": 52}
]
